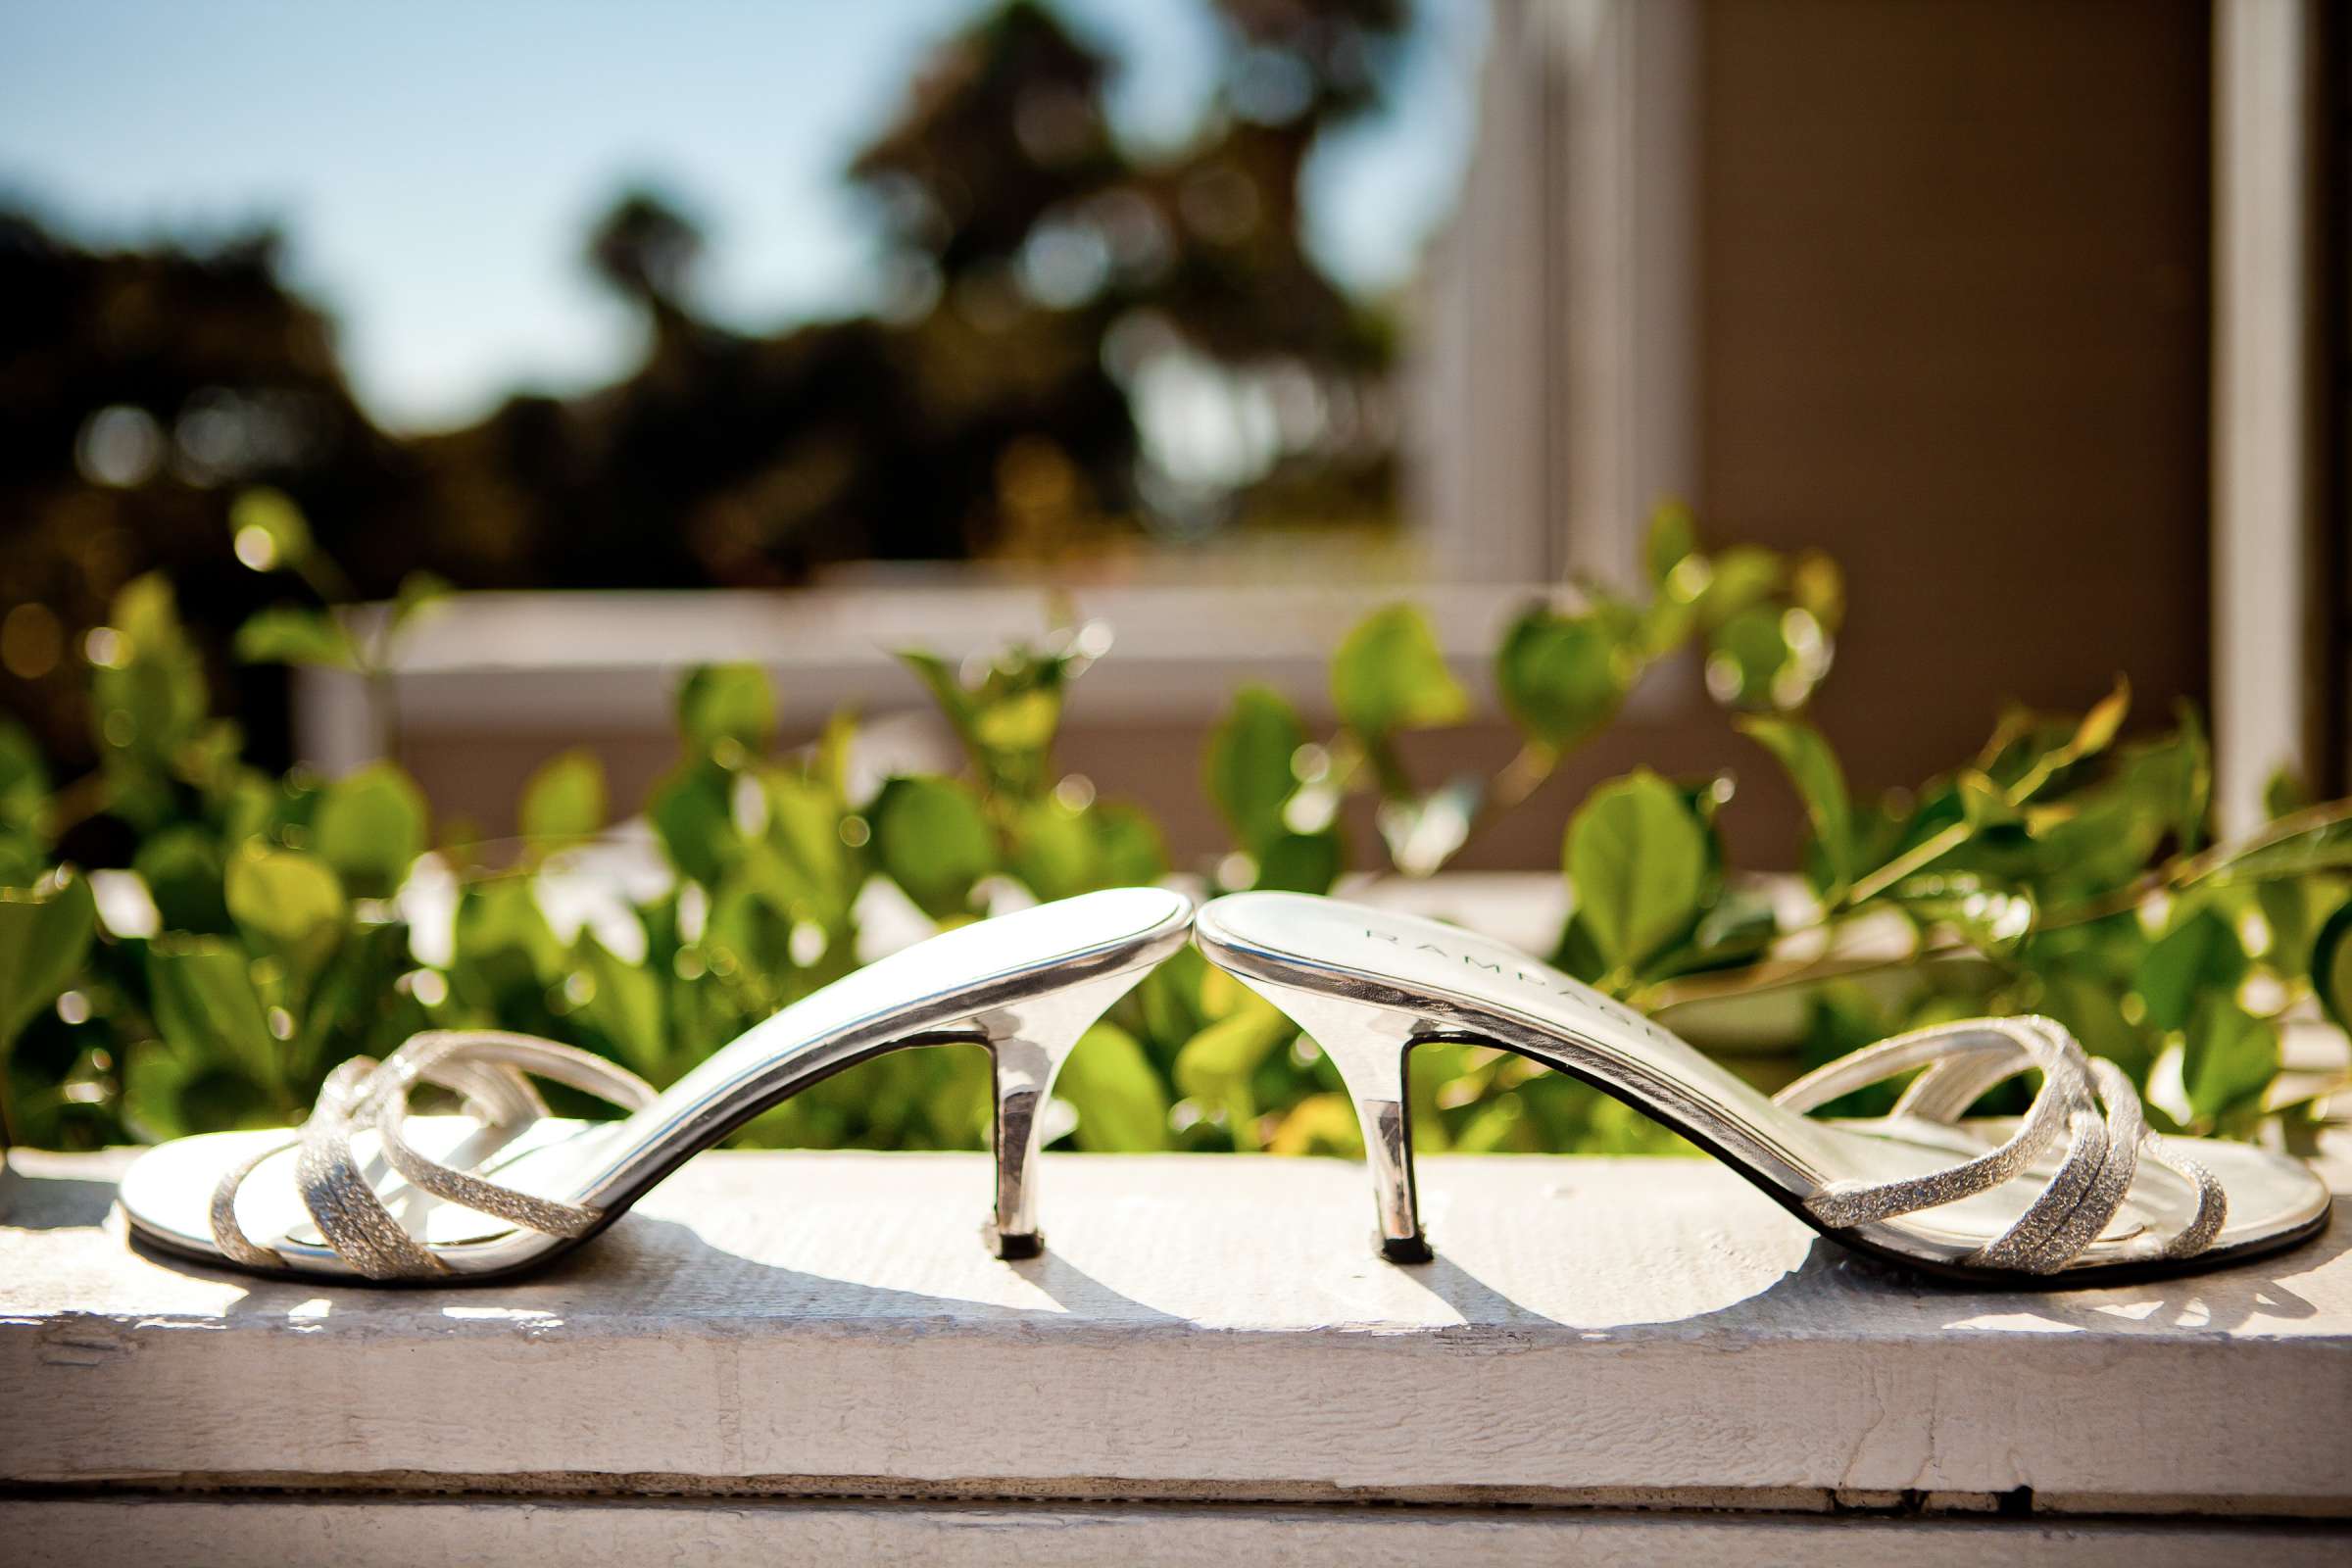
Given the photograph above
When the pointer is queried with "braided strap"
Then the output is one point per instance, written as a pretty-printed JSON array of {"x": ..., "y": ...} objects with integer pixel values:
[
  {"x": 487, "y": 1069},
  {"x": 1958, "y": 1062}
]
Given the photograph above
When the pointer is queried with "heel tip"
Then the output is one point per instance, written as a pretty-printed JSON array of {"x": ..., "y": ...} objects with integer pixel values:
[
  {"x": 1405, "y": 1249},
  {"x": 1014, "y": 1245}
]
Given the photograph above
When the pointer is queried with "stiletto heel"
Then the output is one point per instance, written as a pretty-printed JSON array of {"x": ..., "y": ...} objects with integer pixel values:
[
  {"x": 1037, "y": 1037},
  {"x": 365, "y": 1191},
  {"x": 2077, "y": 1189},
  {"x": 1368, "y": 1045}
]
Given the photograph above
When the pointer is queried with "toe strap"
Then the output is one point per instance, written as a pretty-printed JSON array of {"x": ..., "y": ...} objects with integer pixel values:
[
  {"x": 488, "y": 1069},
  {"x": 2088, "y": 1101}
]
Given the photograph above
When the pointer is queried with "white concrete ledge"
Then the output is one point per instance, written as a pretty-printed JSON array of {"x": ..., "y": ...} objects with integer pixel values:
[{"x": 1595, "y": 1334}]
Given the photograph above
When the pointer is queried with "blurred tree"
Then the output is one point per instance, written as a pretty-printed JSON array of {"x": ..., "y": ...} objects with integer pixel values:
[
  {"x": 1070, "y": 347},
  {"x": 139, "y": 391},
  {"x": 646, "y": 249}
]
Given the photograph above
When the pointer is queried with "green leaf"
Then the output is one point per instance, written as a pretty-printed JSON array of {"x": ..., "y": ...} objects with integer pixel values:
[
  {"x": 419, "y": 593},
  {"x": 24, "y": 780},
  {"x": 45, "y": 932},
  {"x": 1300, "y": 863},
  {"x": 1129, "y": 849},
  {"x": 1673, "y": 538},
  {"x": 1214, "y": 1067},
  {"x": 268, "y": 530},
  {"x": 692, "y": 814},
  {"x": 625, "y": 1006},
  {"x": 1989, "y": 917},
  {"x": 2285, "y": 793},
  {"x": 148, "y": 699},
  {"x": 1053, "y": 850},
  {"x": 183, "y": 869},
  {"x": 934, "y": 841},
  {"x": 1638, "y": 860},
  {"x": 2200, "y": 956},
  {"x": 564, "y": 800},
  {"x": 289, "y": 905},
  {"x": 803, "y": 828},
  {"x": 370, "y": 827},
  {"x": 1738, "y": 579},
  {"x": 1752, "y": 663},
  {"x": 2098, "y": 728},
  {"x": 939, "y": 677},
  {"x": 2331, "y": 967},
  {"x": 1022, "y": 722},
  {"x": 506, "y": 954},
  {"x": 1561, "y": 676},
  {"x": 2231, "y": 1057},
  {"x": 1247, "y": 769},
  {"x": 1984, "y": 803},
  {"x": 1390, "y": 674},
  {"x": 1821, "y": 784},
  {"x": 723, "y": 704},
  {"x": 289, "y": 634},
  {"x": 207, "y": 1007},
  {"x": 1122, "y": 1107}
]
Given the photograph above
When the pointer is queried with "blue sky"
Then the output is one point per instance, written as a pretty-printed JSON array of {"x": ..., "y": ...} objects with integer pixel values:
[{"x": 435, "y": 164}]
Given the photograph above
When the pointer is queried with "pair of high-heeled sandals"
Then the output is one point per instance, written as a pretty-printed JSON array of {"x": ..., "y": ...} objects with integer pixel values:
[{"x": 2078, "y": 1190}]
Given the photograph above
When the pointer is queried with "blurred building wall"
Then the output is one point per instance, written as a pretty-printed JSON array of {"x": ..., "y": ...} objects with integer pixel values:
[{"x": 1954, "y": 327}]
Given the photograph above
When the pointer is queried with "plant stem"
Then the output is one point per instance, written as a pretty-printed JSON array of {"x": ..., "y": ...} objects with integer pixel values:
[
  {"x": 1918, "y": 858},
  {"x": 78, "y": 801},
  {"x": 1520, "y": 777},
  {"x": 2182, "y": 872},
  {"x": 1758, "y": 979}
]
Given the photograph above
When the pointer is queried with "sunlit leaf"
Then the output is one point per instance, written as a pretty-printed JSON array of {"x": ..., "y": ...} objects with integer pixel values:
[
  {"x": 419, "y": 592},
  {"x": 290, "y": 634},
  {"x": 370, "y": 827},
  {"x": 289, "y": 905},
  {"x": 2331, "y": 967},
  {"x": 624, "y": 1004},
  {"x": 693, "y": 815},
  {"x": 1672, "y": 537},
  {"x": 45, "y": 932},
  {"x": 1319, "y": 1124},
  {"x": 2198, "y": 957},
  {"x": 1638, "y": 858},
  {"x": 723, "y": 704},
  {"x": 1214, "y": 1067},
  {"x": 1390, "y": 674},
  {"x": 1300, "y": 863},
  {"x": 1053, "y": 851},
  {"x": 1820, "y": 784},
  {"x": 1024, "y": 722},
  {"x": 2232, "y": 1056},
  {"x": 1122, "y": 1107},
  {"x": 1131, "y": 851},
  {"x": 1561, "y": 676},
  {"x": 563, "y": 802},
  {"x": 934, "y": 841},
  {"x": 1249, "y": 764},
  {"x": 207, "y": 1007},
  {"x": 148, "y": 697},
  {"x": 267, "y": 529},
  {"x": 803, "y": 828},
  {"x": 1738, "y": 579}
]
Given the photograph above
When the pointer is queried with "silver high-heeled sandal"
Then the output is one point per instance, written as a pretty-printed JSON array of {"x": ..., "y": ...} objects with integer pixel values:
[
  {"x": 2079, "y": 1191},
  {"x": 365, "y": 1191}
]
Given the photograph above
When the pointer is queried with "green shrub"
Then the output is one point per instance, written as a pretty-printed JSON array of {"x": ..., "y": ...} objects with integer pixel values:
[{"x": 2057, "y": 871}]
